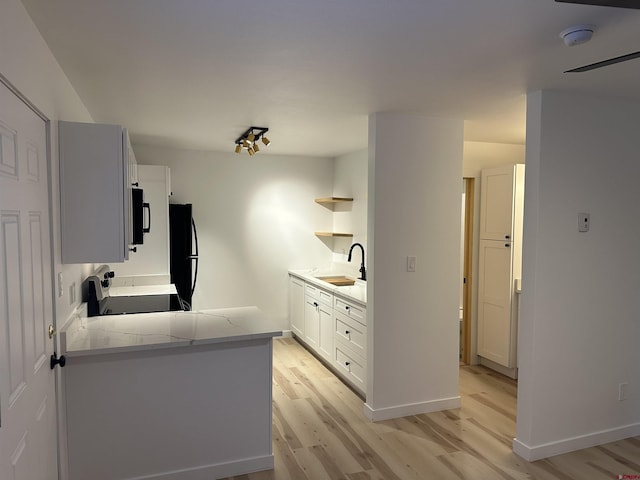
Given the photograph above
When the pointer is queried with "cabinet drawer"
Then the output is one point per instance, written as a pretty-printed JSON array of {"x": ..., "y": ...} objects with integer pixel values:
[
  {"x": 321, "y": 295},
  {"x": 351, "y": 310},
  {"x": 351, "y": 333},
  {"x": 351, "y": 366}
]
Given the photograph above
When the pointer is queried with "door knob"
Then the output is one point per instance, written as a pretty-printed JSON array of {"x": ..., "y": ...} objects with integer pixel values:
[{"x": 54, "y": 360}]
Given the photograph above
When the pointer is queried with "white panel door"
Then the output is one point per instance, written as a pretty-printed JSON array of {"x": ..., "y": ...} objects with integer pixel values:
[
  {"x": 28, "y": 445},
  {"x": 494, "y": 302}
]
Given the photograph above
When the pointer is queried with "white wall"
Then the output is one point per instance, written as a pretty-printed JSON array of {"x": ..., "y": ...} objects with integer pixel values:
[
  {"x": 579, "y": 326},
  {"x": 27, "y": 62},
  {"x": 350, "y": 179},
  {"x": 256, "y": 218},
  {"x": 479, "y": 155},
  {"x": 412, "y": 318}
]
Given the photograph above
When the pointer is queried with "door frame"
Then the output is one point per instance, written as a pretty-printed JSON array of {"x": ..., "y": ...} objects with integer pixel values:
[{"x": 467, "y": 266}]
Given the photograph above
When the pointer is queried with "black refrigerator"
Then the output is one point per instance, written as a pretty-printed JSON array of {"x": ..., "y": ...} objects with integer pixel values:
[{"x": 183, "y": 247}]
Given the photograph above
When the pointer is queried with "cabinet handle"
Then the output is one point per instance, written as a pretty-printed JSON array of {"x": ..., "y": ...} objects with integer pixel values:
[
  {"x": 507, "y": 237},
  {"x": 315, "y": 304},
  {"x": 507, "y": 245},
  {"x": 347, "y": 332},
  {"x": 134, "y": 184},
  {"x": 346, "y": 307},
  {"x": 133, "y": 249},
  {"x": 346, "y": 364}
]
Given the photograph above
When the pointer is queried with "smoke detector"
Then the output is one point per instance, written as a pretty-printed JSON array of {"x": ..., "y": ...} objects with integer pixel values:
[{"x": 576, "y": 35}]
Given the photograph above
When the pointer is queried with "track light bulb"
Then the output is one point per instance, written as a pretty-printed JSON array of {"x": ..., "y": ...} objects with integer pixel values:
[
  {"x": 245, "y": 144},
  {"x": 251, "y": 137},
  {"x": 255, "y": 147},
  {"x": 238, "y": 148},
  {"x": 266, "y": 141},
  {"x": 250, "y": 151}
]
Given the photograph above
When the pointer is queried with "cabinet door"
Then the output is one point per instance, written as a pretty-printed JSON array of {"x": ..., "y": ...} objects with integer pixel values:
[
  {"x": 296, "y": 306},
  {"x": 94, "y": 193},
  {"x": 311, "y": 321},
  {"x": 325, "y": 342},
  {"x": 496, "y": 203},
  {"x": 494, "y": 302}
]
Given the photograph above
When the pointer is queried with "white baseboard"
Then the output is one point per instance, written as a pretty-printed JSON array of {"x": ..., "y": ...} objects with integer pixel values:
[
  {"x": 538, "y": 452},
  {"x": 386, "y": 413},
  {"x": 286, "y": 334},
  {"x": 219, "y": 470}
]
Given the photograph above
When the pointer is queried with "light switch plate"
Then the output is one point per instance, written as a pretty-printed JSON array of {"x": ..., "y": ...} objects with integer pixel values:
[
  {"x": 584, "y": 219},
  {"x": 412, "y": 263}
]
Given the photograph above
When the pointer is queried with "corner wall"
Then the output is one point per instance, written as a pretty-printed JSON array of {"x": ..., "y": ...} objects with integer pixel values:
[
  {"x": 579, "y": 325},
  {"x": 412, "y": 318}
]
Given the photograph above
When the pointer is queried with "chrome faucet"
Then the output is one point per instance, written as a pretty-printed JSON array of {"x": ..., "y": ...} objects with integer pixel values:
[{"x": 363, "y": 270}]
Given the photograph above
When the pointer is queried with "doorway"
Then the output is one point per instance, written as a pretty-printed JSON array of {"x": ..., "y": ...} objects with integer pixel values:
[{"x": 466, "y": 273}]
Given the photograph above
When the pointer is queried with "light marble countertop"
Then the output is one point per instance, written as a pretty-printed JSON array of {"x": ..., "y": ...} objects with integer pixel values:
[
  {"x": 150, "y": 331},
  {"x": 356, "y": 292}
]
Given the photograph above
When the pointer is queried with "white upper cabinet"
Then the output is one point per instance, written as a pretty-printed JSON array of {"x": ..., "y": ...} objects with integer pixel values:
[
  {"x": 95, "y": 192},
  {"x": 498, "y": 186}
]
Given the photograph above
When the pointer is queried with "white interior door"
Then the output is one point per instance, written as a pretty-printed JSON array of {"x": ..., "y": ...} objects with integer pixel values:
[{"x": 28, "y": 444}]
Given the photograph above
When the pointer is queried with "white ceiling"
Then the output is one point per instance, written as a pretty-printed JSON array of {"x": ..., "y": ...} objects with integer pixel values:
[{"x": 196, "y": 73}]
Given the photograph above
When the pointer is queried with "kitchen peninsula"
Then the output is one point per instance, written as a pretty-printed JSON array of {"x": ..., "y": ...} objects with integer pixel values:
[{"x": 169, "y": 394}]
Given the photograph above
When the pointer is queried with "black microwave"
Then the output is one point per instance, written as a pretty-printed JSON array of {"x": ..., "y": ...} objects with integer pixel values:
[{"x": 138, "y": 217}]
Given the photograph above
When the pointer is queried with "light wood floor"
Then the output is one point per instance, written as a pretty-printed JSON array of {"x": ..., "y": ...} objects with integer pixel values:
[{"x": 320, "y": 432}]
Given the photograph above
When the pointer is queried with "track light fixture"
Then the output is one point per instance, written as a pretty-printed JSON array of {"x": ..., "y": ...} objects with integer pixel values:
[{"x": 249, "y": 140}]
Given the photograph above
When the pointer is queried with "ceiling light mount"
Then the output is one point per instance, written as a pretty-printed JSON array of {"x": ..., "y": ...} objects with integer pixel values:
[
  {"x": 249, "y": 140},
  {"x": 577, "y": 34}
]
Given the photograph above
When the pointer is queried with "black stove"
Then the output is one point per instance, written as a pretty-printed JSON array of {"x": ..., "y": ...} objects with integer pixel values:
[
  {"x": 138, "y": 304},
  {"x": 99, "y": 301}
]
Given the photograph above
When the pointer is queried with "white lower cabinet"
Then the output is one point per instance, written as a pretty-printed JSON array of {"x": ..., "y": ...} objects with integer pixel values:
[
  {"x": 333, "y": 327},
  {"x": 318, "y": 320},
  {"x": 350, "y": 333},
  {"x": 351, "y": 366}
]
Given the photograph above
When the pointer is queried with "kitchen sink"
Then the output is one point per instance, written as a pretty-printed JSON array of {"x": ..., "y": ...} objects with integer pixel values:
[{"x": 338, "y": 280}]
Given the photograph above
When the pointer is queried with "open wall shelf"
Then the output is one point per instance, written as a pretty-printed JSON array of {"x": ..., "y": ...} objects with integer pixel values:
[
  {"x": 334, "y": 234},
  {"x": 331, "y": 202}
]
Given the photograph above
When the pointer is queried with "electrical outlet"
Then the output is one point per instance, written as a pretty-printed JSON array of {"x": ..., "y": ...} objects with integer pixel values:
[{"x": 623, "y": 389}]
